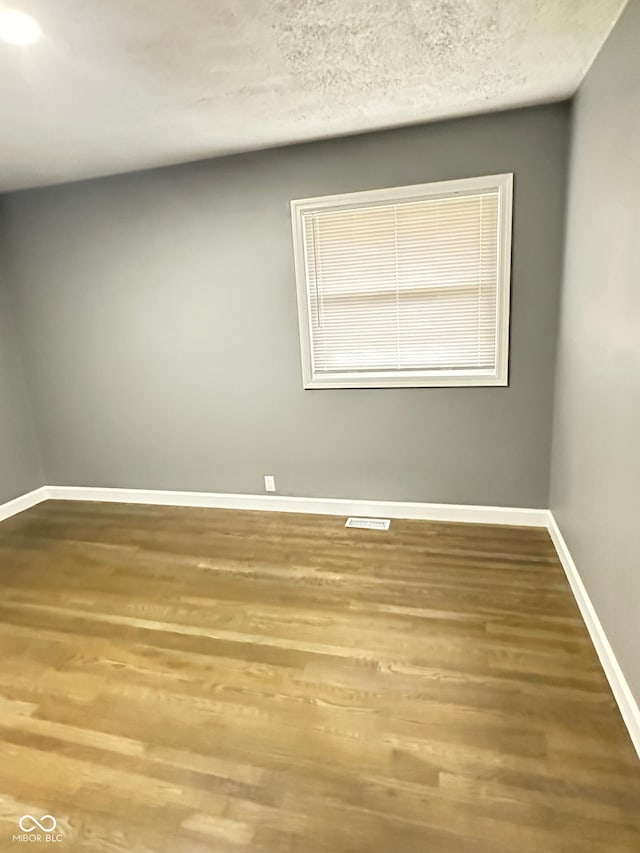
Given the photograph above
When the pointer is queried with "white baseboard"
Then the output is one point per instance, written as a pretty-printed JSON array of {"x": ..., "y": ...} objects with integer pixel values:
[
  {"x": 318, "y": 506},
  {"x": 618, "y": 683},
  {"x": 388, "y": 509},
  {"x": 23, "y": 502}
]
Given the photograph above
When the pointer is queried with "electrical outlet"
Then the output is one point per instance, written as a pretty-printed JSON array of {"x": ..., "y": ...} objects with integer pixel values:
[{"x": 269, "y": 483}]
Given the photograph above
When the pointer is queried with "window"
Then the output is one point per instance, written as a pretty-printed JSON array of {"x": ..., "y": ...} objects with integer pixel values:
[{"x": 405, "y": 286}]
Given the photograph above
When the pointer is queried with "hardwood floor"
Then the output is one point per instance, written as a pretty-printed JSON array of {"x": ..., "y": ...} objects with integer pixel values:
[{"x": 186, "y": 680}]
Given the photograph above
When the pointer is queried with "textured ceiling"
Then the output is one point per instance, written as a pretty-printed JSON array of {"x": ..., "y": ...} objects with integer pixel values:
[{"x": 129, "y": 84}]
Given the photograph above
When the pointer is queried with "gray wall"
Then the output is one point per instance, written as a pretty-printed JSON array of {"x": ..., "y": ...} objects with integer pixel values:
[
  {"x": 20, "y": 470},
  {"x": 595, "y": 492},
  {"x": 158, "y": 312}
]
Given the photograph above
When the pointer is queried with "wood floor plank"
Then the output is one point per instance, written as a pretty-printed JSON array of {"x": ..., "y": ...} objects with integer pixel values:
[{"x": 195, "y": 679}]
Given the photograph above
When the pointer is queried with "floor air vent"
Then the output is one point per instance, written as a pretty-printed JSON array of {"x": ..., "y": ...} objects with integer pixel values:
[{"x": 369, "y": 523}]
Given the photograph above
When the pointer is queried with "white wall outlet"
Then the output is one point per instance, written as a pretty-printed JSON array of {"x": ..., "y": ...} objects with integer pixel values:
[{"x": 269, "y": 483}]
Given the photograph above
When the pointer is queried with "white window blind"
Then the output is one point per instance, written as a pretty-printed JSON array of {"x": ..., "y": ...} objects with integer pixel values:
[{"x": 405, "y": 287}]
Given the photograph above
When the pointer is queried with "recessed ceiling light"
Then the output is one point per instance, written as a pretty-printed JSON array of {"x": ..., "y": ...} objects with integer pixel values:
[{"x": 18, "y": 27}]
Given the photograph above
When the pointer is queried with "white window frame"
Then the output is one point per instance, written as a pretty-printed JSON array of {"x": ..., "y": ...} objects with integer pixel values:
[{"x": 429, "y": 378}]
